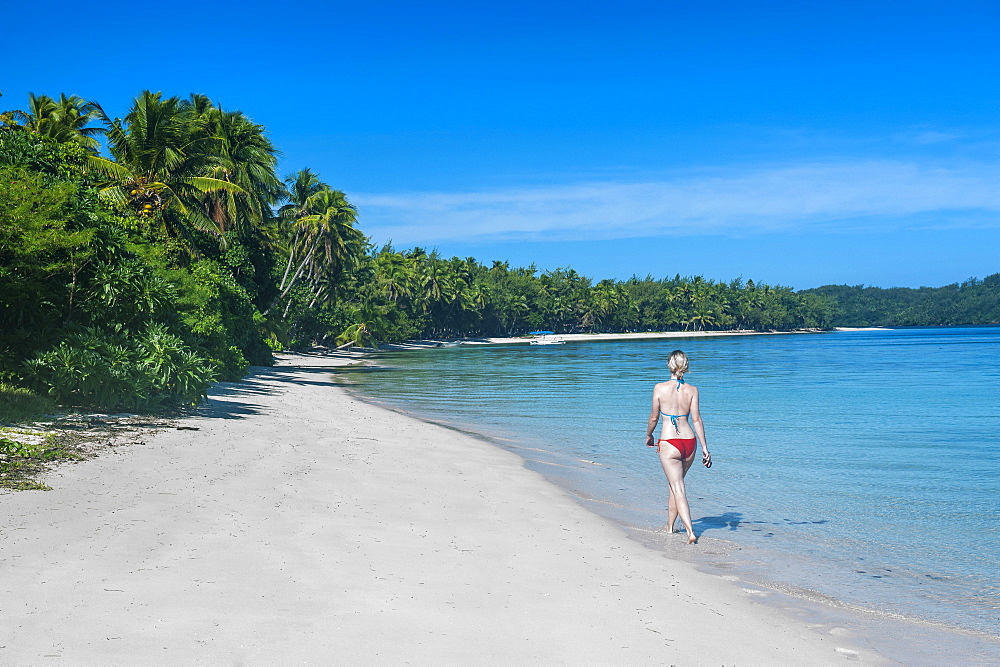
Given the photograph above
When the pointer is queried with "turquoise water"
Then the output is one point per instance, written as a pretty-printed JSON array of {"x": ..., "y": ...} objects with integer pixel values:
[{"x": 861, "y": 465}]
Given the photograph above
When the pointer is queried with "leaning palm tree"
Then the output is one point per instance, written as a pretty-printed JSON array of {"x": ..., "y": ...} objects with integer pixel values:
[
  {"x": 324, "y": 243},
  {"x": 302, "y": 185}
]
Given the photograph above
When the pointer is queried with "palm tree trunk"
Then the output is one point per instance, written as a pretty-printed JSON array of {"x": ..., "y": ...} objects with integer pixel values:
[
  {"x": 291, "y": 283},
  {"x": 291, "y": 257}
]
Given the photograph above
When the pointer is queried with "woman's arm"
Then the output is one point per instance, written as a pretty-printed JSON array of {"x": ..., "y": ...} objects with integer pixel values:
[
  {"x": 654, "y": 418},
  {"x": 699, "y": 428}
]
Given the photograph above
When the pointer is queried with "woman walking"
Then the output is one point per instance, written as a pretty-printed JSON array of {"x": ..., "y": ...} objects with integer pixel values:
[{"x": 677, "y": 402}]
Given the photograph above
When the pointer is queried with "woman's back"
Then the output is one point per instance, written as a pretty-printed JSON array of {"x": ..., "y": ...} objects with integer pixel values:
[{"x": 675, "y": 403}]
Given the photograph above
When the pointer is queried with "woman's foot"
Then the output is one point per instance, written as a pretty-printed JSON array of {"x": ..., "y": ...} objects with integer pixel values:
[{"x": 692, "y": 539}]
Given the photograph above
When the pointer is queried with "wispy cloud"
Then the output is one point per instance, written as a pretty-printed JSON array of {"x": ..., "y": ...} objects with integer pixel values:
[
  {"x": 933, "y": 137},
  {"x": 870, "y": 195}
]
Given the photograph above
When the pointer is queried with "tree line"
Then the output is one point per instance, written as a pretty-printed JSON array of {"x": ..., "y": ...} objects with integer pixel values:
[
  {"x": 134, "y": 278},
  {"x": 972, "y": 301},
  {"x": 416, "y": 293}
]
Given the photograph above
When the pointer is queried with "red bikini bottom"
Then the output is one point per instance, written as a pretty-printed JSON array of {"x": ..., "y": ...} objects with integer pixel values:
[{"x": 685, "y": 446}]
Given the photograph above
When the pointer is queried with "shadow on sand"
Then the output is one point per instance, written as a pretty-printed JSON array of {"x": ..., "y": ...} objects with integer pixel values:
[{"x": 234, "y": 400}]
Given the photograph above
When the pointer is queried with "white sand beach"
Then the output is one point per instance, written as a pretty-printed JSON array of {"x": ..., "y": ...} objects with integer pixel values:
[
  {"x": 300, "y": 525},
  {"x": 584, "y": 337}
]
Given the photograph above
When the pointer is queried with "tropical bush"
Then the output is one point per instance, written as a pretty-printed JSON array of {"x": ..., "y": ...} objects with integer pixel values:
[
  {"x": 18, "y": 405},
  {"x": 117, "y": 372},
  {"x": 132, "y": 283}
]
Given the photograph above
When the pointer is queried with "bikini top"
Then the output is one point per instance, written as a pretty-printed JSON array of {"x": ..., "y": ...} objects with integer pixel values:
[{"x": 674, "y": 418}]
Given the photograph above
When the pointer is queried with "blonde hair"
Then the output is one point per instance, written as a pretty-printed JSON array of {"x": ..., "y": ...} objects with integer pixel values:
[{"x": 677, "y": 362}]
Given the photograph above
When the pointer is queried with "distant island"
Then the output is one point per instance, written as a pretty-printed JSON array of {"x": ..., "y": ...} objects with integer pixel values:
[{"x": 973, "y": 301}]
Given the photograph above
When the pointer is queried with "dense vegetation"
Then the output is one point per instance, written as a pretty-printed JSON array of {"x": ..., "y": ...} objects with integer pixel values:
[
  {"x": 136, "y": 281},
  {"x": 971, "y": 302},
  {"x": 133, "y": 280},
  {"x": 413, "y": 293}
]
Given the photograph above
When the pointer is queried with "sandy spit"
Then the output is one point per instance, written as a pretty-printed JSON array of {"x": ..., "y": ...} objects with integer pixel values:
[
  {"x": 585, "y": 337},
  {"x": 299, "y": 525}
]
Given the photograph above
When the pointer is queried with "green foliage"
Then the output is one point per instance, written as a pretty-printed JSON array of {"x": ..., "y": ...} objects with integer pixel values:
[
  {"x": 43, "y": 451},
  {"x": 220, "y": 316},
  {"x": 42, "y": 254},
  {"x": 971, "y": 302},
  {"x": 110, "y": 303},
  {"x": 131, "y": 281},
  {"x": 18, "y": 464},
  {"x": 116, "y": 372},
  {"x": 126, "y": 294},
  {"x": 357, "y": 334},
  {"x": 20, "y": 405},
  {"x": 323, "y": 254},
  {"x": 66, "y": 121},
  {"x": 10, "y": 447},
  {"x": 21, "y": 461},
  {"x": 45, "y": 156},
  {"x": 415, "y": 294},
  {"x": 314, "y": 324}
]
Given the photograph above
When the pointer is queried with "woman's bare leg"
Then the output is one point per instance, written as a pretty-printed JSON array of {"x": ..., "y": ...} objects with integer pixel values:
[
  {"x": 687, "y": 464},
  {"x": 671, "y": 512},
  {"x": 673, "y": 468},
  {"x": 672, "y": 502}
]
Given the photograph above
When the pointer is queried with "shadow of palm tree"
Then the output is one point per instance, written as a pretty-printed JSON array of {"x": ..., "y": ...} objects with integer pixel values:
[{"x": 233, "y": 400}]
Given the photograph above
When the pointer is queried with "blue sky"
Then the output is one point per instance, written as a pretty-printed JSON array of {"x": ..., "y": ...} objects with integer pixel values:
[{"x": 800, "y": 143}]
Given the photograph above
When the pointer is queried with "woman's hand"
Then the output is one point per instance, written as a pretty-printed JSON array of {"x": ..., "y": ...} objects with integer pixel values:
[
  {"x": 706, "y": 459},
  {"x": 651, "y": 443}
]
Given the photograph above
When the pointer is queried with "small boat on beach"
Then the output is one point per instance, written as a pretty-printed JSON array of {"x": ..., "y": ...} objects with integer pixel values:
[{"x": 545, "y": 338}]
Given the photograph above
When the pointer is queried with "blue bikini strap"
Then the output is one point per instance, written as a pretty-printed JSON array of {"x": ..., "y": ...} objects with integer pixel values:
[{"x": 673, "y": 420}]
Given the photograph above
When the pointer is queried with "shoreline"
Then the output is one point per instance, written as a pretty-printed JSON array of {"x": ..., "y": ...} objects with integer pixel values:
[
  {"x": 585, "y": 337},
  {"x": 296, "y": 523},
  {"x": 894, "y": 638},
  {"x": 909, "y": 639}
]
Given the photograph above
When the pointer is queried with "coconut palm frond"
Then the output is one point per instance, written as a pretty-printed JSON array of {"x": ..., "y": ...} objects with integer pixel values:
[
  {"x": 108, "y": 168},
  {"x": 208, "y": 184}
]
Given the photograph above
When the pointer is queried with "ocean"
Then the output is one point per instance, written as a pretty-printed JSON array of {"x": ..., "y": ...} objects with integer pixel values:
[{"x": 857, "y": 467}]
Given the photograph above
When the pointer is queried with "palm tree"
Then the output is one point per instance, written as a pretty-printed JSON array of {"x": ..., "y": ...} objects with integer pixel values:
[
  {"x": 324, "y": 242},
  {"x": 435, "y": 283},
  {"x": 395, "y": 274},
  {"x": 243, "y": 156},
  {"x": 748, "y": 302},
  {"x": 702, "y": 316},
  {"x": 162, "y": 158},
  {"x": 604, "y": 300},
  {"x": 302, "y": 185},
  {"x": 66, "y": 121},
  {"x": 333, "y": 228}
]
